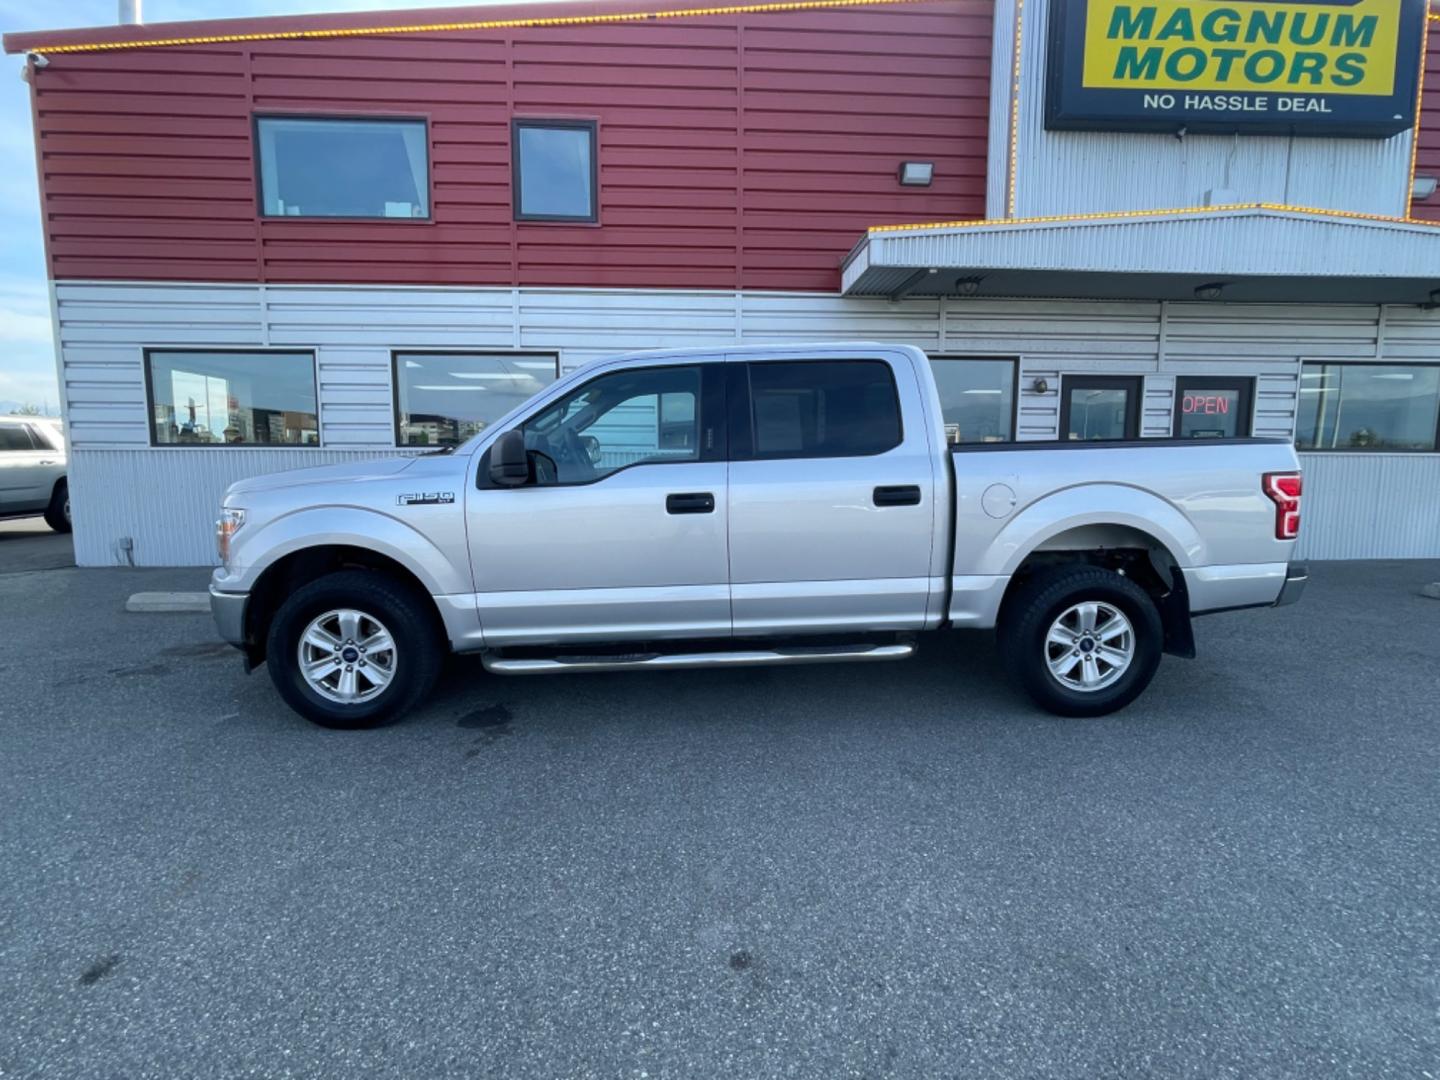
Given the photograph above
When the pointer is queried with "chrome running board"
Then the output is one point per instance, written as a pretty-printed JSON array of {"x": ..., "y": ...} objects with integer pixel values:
[{"x": 800, "y": 654}]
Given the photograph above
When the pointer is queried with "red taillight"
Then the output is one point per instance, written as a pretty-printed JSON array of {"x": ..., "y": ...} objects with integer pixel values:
[{"x": 1284, "y": 490}]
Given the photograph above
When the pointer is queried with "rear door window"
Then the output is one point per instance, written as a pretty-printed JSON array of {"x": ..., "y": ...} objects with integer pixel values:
[
  {"x": 823, "y": 408},
  {"x": 14, "y": 437}
]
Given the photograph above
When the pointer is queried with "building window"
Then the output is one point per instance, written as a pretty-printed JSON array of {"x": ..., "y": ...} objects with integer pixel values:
[
  {"x": 1212, "y": 408},
  {"x": 232, "y": 398},
  {"x": 442, "y": 399},
  {"x": 350, "y": 168},
  {"x": 977, "y": 399},
  {"x": 556, "y": 175},
  {"x": 644, "y": 416},
  {"x": 1100, "y": 407},
  {"x": 1369, "y": 407},
  {"x": 823, "y": 409}
]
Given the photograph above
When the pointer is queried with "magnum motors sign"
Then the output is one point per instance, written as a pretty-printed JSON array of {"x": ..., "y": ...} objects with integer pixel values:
[{"x": 1307, "y": 67}]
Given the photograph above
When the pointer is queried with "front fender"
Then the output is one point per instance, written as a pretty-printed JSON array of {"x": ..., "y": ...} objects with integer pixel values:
[
  {"x": 1093, "y": 504},
  {"x": 441, "y": 571}
]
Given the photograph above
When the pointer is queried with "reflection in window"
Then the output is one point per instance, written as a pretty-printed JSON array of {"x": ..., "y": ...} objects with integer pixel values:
[
  {"x": 443, "y": 399},
  {"x": 343, "y": 168},
  {"x": 233, "y": 399},
  {"x": 976, "y": 399},
  {"x": 555, "y": 170},
  {"x": 1368, "y": 407},
  {"x": 647, "y": 415}
]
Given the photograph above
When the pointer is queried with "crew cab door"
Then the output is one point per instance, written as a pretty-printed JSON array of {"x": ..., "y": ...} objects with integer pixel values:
[
  {"x": 621, "y": 531},
  {"x": 832, "y": 496}
]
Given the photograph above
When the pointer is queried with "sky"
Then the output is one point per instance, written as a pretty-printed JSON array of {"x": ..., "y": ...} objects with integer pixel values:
[{"x": 27, "y": 351}]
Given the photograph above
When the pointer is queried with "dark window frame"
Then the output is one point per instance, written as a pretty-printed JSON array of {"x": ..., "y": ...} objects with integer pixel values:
[
  {"x": 341, "y": 117},
  {"x": 1245, "y": 384},
  {"x": 1014, "y": 362},
  {"x": 710, "y": 415},
  {"x": 564, "y": 124},
  {"x": 1435, "y": 445},
  {"x": 1134, "y": 383},
  {"x": 742, "y": 410},
  {"x": 150, "y": 397},
  {"x": 396, "y": 354}
]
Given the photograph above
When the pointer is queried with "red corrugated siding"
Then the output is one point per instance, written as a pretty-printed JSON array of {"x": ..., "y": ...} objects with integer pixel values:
[
  {"x": 735, "y": 151},
  {"x": 1427, "y": 160}
]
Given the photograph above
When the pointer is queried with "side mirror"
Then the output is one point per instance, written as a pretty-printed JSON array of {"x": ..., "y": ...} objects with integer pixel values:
[{"x": 509, "y": 464}]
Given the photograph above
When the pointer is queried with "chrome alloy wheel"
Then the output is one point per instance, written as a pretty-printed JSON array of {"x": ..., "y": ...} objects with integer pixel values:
[
  {"x": 347, "y": 656},
  {"x": 1090, "y": 646}
]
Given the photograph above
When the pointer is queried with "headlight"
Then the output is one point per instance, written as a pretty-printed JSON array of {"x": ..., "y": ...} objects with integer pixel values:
[{"x": 227, "y": 526}]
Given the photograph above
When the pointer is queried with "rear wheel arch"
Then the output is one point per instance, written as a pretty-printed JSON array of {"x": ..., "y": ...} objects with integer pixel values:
[{"x": 1126, "y": 549}]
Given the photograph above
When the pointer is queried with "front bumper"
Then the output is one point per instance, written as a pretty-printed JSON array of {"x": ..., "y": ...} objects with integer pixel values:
[
  {"x": 1296, "y": 575},
  {"x": 228, "y": 610}
]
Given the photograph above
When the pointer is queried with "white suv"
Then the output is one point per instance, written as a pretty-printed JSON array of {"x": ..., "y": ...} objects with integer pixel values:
[{"x": 32, "y": 471}]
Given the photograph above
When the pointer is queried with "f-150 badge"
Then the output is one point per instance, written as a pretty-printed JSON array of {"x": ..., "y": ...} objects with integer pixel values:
[{"x": 428, "y": 498}]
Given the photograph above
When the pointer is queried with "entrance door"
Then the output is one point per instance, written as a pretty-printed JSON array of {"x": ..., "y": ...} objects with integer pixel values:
[
  {"x": 621, "y": 533},
  {"x": 831, "y": 498},
  {"x": 1094, "y": 407}
]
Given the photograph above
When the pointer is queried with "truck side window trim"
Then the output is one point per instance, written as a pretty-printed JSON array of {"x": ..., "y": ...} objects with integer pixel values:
[
  {"x": 711, "y": 431},
  {"x": 743, "y": 420}
]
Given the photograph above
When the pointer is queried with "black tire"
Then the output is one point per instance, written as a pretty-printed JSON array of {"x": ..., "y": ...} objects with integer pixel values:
[
  {"x": 1030, "y": 613},
  {"x": 419, "y": 648},
  {"x": 57, "y": 514}
]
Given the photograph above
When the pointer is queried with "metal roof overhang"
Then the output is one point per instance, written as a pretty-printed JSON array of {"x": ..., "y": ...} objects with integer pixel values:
[{"x": 1254, "y": 254}]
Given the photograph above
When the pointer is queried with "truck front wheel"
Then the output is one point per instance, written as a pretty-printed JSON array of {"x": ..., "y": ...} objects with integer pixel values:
[
  {"x": 1082, "y": 640},
  {"x": 353, "y": 649}
]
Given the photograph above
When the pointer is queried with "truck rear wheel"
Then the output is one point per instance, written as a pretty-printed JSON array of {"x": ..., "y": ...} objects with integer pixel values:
[
  {"x": 353, "y": 649},
  {"x": 1082, "y": 640}
]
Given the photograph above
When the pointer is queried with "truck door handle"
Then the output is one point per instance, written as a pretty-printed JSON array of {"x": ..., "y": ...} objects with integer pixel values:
[
  {"x": 690, "y": 502},
  {"x": 898, "y": 495}
]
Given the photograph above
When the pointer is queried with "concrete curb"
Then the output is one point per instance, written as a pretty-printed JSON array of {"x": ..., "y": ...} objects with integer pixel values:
[
  {"x": 191, "y": 603},
  {"x": 1432, "y": 590}
]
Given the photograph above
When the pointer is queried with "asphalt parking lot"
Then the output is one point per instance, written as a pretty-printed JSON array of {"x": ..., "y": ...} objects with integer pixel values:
[
  {"x": 874, "y": 871},
  {"x": 29, "y": 544}
]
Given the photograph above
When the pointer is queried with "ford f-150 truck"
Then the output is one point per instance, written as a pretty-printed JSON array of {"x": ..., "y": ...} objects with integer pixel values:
[{"x": 783, "y": 505}]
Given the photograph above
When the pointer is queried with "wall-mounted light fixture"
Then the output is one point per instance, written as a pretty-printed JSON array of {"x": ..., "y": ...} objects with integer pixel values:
[
  {"x": 1210, "y": 291},
  {"x": 1041, "y": 385},
  {"x": 1423, "y": 187},
  {"x": 967, "y": 286},
  {"x": 917, "y": 173}
]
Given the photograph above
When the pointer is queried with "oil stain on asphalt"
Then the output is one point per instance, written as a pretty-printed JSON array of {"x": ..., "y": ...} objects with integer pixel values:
[
  {"x": 98, "y": 970},
  {"x": 493, "y": 723}
]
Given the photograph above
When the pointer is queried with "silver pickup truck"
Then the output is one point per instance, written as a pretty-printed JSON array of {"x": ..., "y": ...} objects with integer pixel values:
[{"x": 779, "y": 505}]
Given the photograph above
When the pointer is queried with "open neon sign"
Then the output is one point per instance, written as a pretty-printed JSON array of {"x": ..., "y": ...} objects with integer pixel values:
[{"x": 1206, "y": 404}]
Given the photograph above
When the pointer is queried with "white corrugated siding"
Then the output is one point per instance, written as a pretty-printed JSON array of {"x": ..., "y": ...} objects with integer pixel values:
[
  {"x": 1074, "y": 172},
  {"x": 165, "y": 499},
  {"x": 1370, "y": 506}
]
